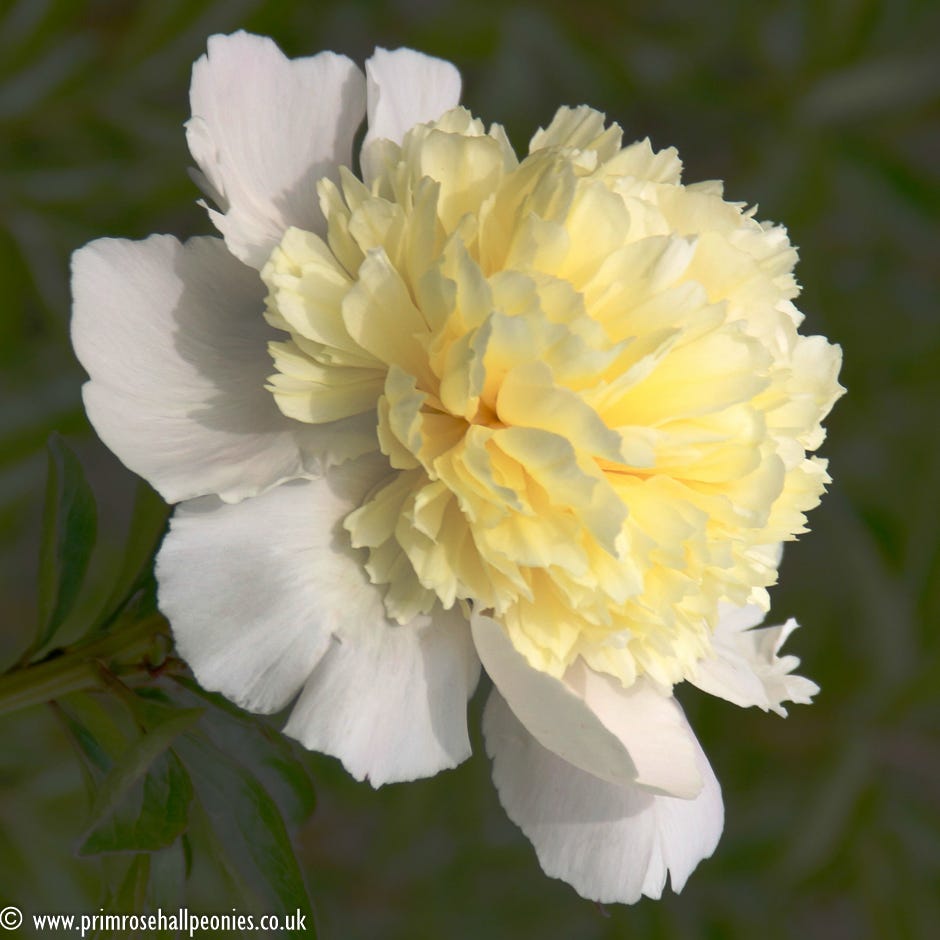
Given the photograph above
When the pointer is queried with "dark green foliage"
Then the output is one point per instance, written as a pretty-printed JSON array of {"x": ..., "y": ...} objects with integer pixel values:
[
  {"x": 68, "y": 539},
  {"x": 157, "y": 782},
  {"x": 250, "y": 830},
  {"x": 147, "y": 818},
  {"x": 141, "y": 803},
  {"x": 148, "y": 522}
]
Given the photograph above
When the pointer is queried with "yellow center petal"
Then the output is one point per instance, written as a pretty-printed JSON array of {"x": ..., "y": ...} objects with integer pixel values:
[{"x": 587, "y": 379}]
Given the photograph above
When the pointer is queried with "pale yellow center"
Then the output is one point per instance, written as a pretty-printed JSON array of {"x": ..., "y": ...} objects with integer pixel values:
[{"x": 586, "y": 377}]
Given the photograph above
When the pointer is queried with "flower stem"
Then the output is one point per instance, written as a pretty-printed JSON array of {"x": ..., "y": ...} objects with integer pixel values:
[{"x": 76, "y": 669}]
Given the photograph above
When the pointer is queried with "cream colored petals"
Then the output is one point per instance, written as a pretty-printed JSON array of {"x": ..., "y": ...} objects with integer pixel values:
[{"x": 588, "y": 376}]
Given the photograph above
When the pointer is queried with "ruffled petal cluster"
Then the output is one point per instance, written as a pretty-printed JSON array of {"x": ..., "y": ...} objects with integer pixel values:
[
  {"x": 595, "y": 403},
  {"x": 550, "y": 415}
]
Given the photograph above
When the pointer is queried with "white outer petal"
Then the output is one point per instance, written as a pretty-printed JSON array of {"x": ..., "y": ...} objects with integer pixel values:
[
  {"x": 405, "y": 88},
  {"x": 254, "y": 591},
  {"x": 264, "y": 130},
  {"x": 612, "y": 843},
  {"x": 634, "y": 736},
  {"x": 390, "y": 700},
  {"x": 174, "y": 342},
  {"x": 266, "y": 596},
  {"x": 745, "y": 667}
]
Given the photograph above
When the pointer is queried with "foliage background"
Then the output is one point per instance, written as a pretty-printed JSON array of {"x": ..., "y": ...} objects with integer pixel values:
[{"x": 828, "y": 115}]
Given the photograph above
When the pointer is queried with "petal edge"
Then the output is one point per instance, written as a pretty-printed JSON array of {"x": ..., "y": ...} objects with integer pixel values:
[
  {"x": 612, "y": 844},
  {"x": 264, "y": 130}
]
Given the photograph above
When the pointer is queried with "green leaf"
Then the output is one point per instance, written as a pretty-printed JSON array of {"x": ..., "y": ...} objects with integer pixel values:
[
  {"x": 227, "y": 880},
  {"x": 126, "y": 895},
  {"x": 168, "y": 877},
  {"x": 68, "y": 538},
  {"x": 95, "y": 731},
  {"x": 149, "y": 817},
  {"x": 131, "y": 894},
  {"x": 142, "y": 792},
  {"x": 148, "y": 523},
  {"x": 249, "y": 825},
  {"x": 282, "y": 765},
  {"x": 300, "y": 795},
  {"x": 137, "y": 759}
]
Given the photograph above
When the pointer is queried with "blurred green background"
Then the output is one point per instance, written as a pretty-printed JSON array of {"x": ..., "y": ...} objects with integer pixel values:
[{"x": 827, "y": 114}]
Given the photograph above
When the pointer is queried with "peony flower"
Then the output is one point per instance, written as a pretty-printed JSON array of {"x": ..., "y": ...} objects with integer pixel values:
[{"x": 551, "y": 414}]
